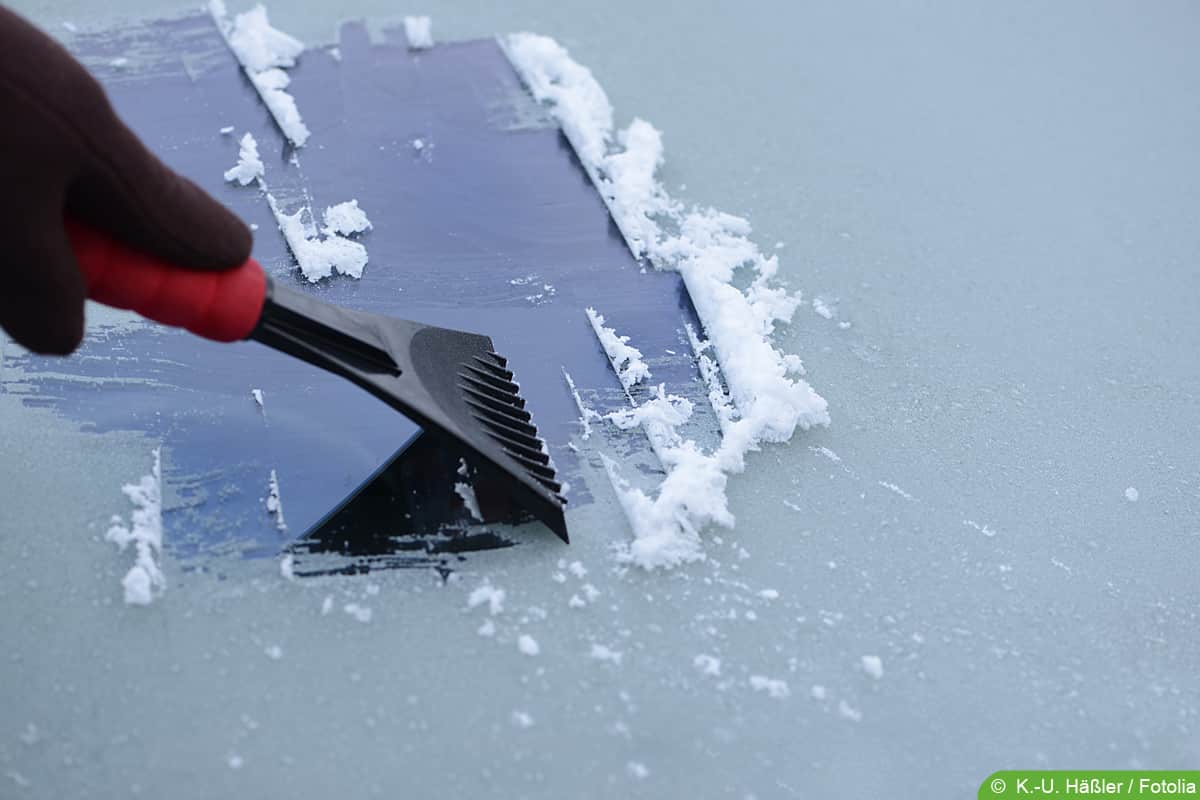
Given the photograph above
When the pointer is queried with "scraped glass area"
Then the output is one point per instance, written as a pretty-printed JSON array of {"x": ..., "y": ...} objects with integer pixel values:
[{"x": 997, "y": 200}]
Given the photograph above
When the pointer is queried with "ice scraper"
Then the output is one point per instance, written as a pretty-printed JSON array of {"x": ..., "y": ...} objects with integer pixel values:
[{"x": 451, "y": 383}]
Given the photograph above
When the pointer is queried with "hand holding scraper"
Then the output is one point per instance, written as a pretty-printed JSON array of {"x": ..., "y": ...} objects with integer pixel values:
[{"x": 139, "y": 236}]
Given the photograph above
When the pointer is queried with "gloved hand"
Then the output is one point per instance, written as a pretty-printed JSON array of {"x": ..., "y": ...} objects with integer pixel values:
[{"x": 64, "y": 151}]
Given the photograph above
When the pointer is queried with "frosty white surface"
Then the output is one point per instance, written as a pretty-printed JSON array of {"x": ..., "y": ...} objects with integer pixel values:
[{"x": 1004, "y": 211}]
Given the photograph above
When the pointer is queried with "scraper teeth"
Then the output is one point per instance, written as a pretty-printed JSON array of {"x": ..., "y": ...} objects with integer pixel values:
[
  {"x": 493, "y": 398},
  {"x": 489, "y": 389},
  {"x": 495, "y": 369},
  {"x": 483, "y": 401},
  {"x": 493, "y": 380},
  {"x": 499, "y": 430},
  {"x": 535, "y": 469},
  {"x": 497, "y": 358}
]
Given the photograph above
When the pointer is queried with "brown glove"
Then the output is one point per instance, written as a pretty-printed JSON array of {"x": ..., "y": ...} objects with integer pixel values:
[{"x": 64, "y": 151}]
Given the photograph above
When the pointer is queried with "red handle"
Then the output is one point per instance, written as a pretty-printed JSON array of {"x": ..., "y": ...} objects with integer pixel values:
[{"x": 222, "y": 306}]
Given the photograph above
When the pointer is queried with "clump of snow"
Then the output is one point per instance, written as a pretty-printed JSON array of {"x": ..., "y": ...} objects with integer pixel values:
[
  {"x": 822, "y": 308},
  {"x": 522, "y": 719},
  {"x": 419, "y": 32},
  {"x": 318, "y": 257},
  {"x": 257, "y": 394},
  {"x": 637, "y": 770},
  {"x": 708, "y": 665},
  {"x": 846, "y": 711},
  {"x": 486, "y": 593},
  {"x": 274, "y": 652},
  {"x": 467, "y": 492},
  {"x": 873, "y": 666},
  {"x": 602, "y": 653},
  {"x": 249, "y": 166},
  {"x": 528, "y": 645},
  {"x": 235, "y": 761},
  {"x": 818, "y": 692},
  {"x": 227, "y": 130},
  {"x": 144, "y": 581},
  {"x": 274, "y": 504},
  {"x": 707, "y": 248},
  {"x": 264, "y": 52},
  {"x": 1131, "y": 494},
  {"x": 287, "y": 566},
  {"x": 346, "y": 218},
  {"x": 774, "y": 687},
  {"x": 626, "y": 360},
  {"x": 769, "y": 594},
  {"x": 360, "y": 613}
]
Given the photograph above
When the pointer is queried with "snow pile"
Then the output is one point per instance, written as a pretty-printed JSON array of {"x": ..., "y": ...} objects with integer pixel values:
[
  {"x": 707, "y": 248},
  {"x": 249, "y": 166},
  {"x": 626, "y": 360},
  {"x": 145, "y": 580},
  {"x": 419, "y": 32},
  {"x": 264, "y": 52},
  {"x": 319, "y": 257}
]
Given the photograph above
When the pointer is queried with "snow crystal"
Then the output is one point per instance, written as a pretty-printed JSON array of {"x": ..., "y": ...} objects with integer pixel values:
[
  {"x": 274, "y": 652},
  {"x": 528, "y": 645},
  {"x": 708, "y": 665},
  {"x": 576, "y": 602},
  {"x": 144, "y": 581},
  {"x": 1131, "y": 494},
  {"x": 274, "y": 504},
  {"x": 577, "y": 569},
  {"x": 873, "y": 666},
  {"x": 318, "y": 258},
  {"x": 488, "y": 628},
  {"x": 774, "y": 687},
  {"x": 235, "y": 761},
  {"x": 522, "y": 719},
  {"x": 706, "y": 247},
  {"x": 638, "y": 770},
  {"x": 419, "y": 32},
  {"x": 846, "y": 711},
  {"x": 346, "y": 218},
  {"x": 769, "y": 594},
  {"x": 626, "y": 360},
  {"x": 249, "y": 166},
  {"x": 818, "y": 692},
  {"x": 486, "y": 593},
  {"x": 602, "y": 653},
  {"x": 227, "y": 130},
  {"x": 263, "y": 52},
  {"x": 360, "y": 613}
]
